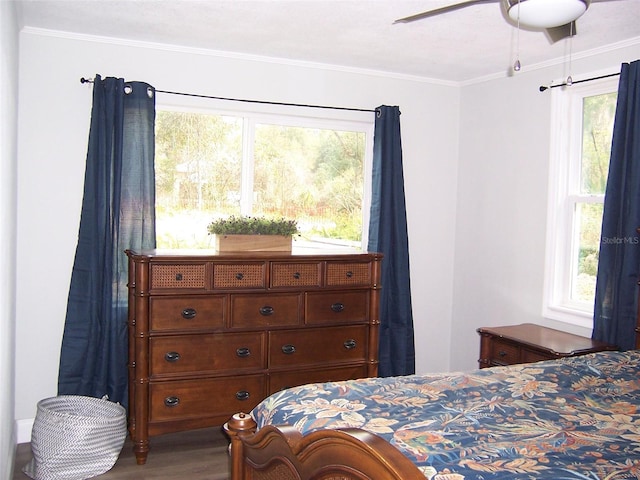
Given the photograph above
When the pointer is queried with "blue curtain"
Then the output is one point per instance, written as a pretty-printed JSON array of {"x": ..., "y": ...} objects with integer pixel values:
[
  {"x": 616, "y": 303},
  {"x": 117, "y": 213},
  {"x": 388, "y": 235}
]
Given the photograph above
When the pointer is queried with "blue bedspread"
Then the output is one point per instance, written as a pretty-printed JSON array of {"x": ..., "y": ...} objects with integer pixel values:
[{"x": 576, "y": 418}]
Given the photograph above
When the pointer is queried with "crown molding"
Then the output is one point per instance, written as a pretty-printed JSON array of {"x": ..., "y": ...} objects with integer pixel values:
[
  {"x": 323, "y": 66},
  {"x": 557, "y": 61},
  {"x": 231, "y": 55}
]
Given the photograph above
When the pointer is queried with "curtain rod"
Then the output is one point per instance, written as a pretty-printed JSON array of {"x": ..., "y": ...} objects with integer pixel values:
[
  {"x": 543, "y": 88},
  {"x": 88, "y": 80}
]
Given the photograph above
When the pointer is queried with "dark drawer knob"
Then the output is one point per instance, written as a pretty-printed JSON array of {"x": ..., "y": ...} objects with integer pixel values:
[
  {"x": 502, "y": 353},
  {"x": 189, "y": 313},
  {"x": 297, "y": 275},
  {"x": 337, "y": 307},
  {"x": 266, "y": 311},
  {"x": 242, "y": 395},
  {"x": 350, "y": 344},
  {"x": 243, "y": 352},
  {"x": 178, "y": 277},
  {"x": 239, "y": 276},
  {"x": 288, "y": 349},
  {"x": 171, "y": 401},
  {"x": 172, "y": 356},
  {"x": 349, "y": 274}
]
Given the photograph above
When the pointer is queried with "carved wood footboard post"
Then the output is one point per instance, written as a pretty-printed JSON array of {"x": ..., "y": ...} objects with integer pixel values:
[
  {"x": 240, "y": 424},
  {"x": 283, "y": 453}
]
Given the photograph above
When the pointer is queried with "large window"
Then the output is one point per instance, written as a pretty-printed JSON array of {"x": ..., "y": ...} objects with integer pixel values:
[
  {"x": 582, "y": 128},
  {"x": 211, "y": 165}
]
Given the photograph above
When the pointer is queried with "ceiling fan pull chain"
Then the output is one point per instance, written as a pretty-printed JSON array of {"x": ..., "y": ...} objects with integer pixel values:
[
  {"x": 569, "y": 80},
  {"x": 517, "y": 66}
]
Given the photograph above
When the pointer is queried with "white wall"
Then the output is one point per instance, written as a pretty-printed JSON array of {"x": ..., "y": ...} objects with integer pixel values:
[
  {"x": 8, "y": 155},
  {"x": 53, "y": 127},
  {"x": 502, "y": 200}
]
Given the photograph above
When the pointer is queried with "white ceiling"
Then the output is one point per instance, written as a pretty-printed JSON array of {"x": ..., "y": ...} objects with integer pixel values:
[{"x": 465, "y": 45}]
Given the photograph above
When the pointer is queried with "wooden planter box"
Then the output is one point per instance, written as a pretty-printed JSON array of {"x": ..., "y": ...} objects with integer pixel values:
[{"x": 252, "y": 243}]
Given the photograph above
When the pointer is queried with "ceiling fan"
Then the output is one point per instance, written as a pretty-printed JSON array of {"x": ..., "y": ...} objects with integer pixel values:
[{"x": 556, "y": 17}]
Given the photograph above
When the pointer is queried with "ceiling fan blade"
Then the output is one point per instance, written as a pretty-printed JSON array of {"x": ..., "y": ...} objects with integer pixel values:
[
  {"x": 556, "y": 34},
  {"x": 446, "y": 9}
]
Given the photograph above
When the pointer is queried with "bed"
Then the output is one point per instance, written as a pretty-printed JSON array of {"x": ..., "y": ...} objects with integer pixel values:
[{"x": 572, "y": 418}]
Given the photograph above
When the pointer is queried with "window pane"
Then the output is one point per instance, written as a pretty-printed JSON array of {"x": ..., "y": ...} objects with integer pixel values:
[
  {"x": 314, "y": 176},
  {"x": 598, "y": 113},
  {"x": 588, "y": 223},
  {"x": 198, "y": 171},
  {"x": 581, "y": 135},
  {"x": 204, "y": 171}
]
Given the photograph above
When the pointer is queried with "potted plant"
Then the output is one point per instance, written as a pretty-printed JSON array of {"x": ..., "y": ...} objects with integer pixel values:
[{"x": 246, "y": 233}]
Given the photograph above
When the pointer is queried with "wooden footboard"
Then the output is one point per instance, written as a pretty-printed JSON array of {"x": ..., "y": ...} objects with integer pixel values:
[{"x": 283, "y": 453}]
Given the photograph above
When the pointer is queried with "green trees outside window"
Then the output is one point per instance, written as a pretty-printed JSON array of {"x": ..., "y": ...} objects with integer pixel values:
[
  {"x": 598, "y": 113},
  {"x": 214, "y": 166}
]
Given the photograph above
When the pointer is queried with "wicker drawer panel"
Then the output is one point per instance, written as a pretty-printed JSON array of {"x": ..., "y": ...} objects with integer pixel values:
[
  {"x": 504, "y": 353},
  {"x": 295, "y": 274},
  {"x": 281, "y": 380},
  {"x": 186, "y": 313},
  {"x": 178, "y": 276},
  {"x": 184, "y": 399},
  {"x": 337, "y": 307},
  {"x": 239, "y": 275},
  {"x": 329, "y": 345},
  {"x": 339, "y": 273},
  {"x": 265, "y": 310},
  {"x": 206, "y": 353}
]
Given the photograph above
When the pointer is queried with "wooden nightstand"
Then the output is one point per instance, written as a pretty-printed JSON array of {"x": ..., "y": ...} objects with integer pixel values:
[{"x": 526, "y": 343}]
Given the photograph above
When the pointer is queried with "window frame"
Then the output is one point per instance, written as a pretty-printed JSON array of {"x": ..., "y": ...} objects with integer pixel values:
[
  {"x": 564, "y": 194},
  {"x": 306, "y": 117}
]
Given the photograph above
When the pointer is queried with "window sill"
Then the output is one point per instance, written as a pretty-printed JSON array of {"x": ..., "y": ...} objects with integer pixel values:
[{"x": 569, "y": 315}]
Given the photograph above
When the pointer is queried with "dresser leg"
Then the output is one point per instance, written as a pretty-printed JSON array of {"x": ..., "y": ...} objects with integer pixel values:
[
  {"x": 485, "y": 350},
  {"x": 141, "y": 450}
]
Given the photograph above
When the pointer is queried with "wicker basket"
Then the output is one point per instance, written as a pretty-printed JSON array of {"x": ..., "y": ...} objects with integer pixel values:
[{"x": 75, "y": 437}]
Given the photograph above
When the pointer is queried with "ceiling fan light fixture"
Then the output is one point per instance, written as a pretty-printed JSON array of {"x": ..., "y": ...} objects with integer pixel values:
[{"x": 546, "y": 13}]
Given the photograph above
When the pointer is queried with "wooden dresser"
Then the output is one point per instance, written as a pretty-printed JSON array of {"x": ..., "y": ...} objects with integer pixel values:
[
  {"x": 526, "y": 343},
  {"x": 214, "y": 334}
]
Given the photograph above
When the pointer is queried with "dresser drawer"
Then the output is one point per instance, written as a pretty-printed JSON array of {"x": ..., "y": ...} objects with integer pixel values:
[
  {"x": 504, "y": 353},
  {"x": 356, "y": 274},
  {"x": 330, "y": 345},
  {"x": 206, "y": 353},
  {"x": 265, "y": 310},
  {"x": 186, "y": 313},
  {"x": 178, "y": 276},
  {"x": 281, "y": 380},
  {"x": 239, "y": 275},
  {"x": 337, "y": 307},
  {"x": 178, "y": 400},
  {"x": 295, "y": 274},
  {"x": 531, "y": 356}
]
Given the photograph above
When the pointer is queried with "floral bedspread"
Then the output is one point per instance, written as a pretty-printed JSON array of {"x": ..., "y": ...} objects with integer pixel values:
[{"x": 575, "y": 418}]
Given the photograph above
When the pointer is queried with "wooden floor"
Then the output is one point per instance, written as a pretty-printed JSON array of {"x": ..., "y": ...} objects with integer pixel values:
[{"x": 195, "y": 455}]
